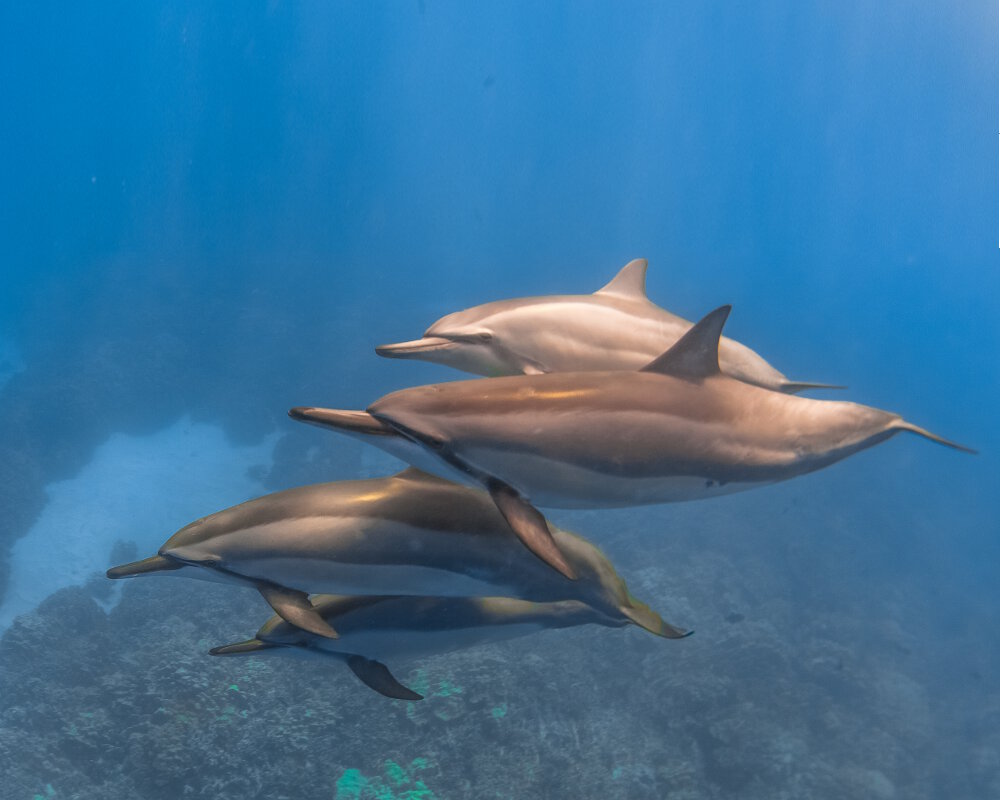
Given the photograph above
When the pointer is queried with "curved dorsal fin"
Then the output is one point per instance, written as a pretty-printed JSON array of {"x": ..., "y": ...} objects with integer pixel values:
[
  {"x": 629, "y": 283},
  {"x": 696, "y": 353}
]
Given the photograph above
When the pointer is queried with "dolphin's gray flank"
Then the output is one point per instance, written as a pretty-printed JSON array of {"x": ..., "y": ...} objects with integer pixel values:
[
  {"x": 678, "y": 429},
  {"x": 409, "y": 533},
  {"x": 615, "y": 328},
  {"x": 376, "y": 629}
]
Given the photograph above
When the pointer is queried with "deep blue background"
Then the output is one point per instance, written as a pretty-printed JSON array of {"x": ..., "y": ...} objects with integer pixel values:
[{"x": 221, "y": 210}]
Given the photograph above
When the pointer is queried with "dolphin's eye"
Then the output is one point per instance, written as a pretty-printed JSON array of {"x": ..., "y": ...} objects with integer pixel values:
[{"x": 485, "y": 336}]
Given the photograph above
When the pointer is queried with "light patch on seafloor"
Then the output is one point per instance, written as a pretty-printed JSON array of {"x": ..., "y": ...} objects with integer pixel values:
[
  {"x": 136, "y": 488},
  {"x": 10, "y": 362}
]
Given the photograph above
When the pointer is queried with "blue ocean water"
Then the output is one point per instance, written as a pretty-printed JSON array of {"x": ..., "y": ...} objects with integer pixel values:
[{"x": 212, "y": 214}]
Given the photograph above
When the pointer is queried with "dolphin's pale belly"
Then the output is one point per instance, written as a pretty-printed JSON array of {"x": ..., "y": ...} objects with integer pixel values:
[
  {"x": 201, "y": 574},
  {"x": 320, "y": 576},
  {"x": 558, "y": 484}
]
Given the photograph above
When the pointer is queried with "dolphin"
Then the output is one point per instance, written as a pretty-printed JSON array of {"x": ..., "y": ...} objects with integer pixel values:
[
  {"x": 615, "y": 328},
  {"x": 410, "y": 533},
  {"x": 378, "y": 629},
  {"x": 678, "y": 429}
]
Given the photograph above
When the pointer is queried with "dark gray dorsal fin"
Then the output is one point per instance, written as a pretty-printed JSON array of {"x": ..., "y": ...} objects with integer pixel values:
[
  {"x": 629, "y": 283},
  {"x": 375, "y": 675},
  {"x": 529, "y": 525},
  {"x": 294, "y": 608},
  {"x": 696, "y": 353}
]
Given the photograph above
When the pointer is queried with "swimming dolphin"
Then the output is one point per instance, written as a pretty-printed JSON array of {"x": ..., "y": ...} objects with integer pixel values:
[
  {"x": 378, "y": 629},
  {"x": 615, "y": 328},
  {"x": 411, "y": 533},
  {"x": 678, "y": 429}
]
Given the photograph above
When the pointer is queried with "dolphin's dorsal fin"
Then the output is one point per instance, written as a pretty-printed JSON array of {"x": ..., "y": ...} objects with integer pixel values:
[
  {"x": 696, "y": 353},
  {"x": 629, "y": 283}
]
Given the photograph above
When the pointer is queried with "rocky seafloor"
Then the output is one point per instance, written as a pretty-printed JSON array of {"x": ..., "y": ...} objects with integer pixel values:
[{"x": 788, "y": 689}]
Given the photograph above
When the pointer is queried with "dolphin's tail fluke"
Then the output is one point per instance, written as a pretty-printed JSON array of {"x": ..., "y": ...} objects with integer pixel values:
[
  {"x": 144, "y": 567},
  {"x": 242, "y": 648},
  {"x": 348, "y": 421},
  {"x": 643, "y": 616},
  {"x": 794, "y": 387},
  {"x": 903, "y": 425}
]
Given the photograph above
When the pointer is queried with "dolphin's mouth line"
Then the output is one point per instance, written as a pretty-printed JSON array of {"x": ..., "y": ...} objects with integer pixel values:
[{"x": 416, "y": 347}]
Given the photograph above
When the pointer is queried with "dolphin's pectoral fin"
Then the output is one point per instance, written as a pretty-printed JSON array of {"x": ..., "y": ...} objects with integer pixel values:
[
  {"x": 294, "y": 608},
  {"x": 696, "y": 353},
  {"x": 526, "y": 365},
  {"x": 629, "y": 283},
  {"x": 375, "y": 675},
  {"x": 530, "y": 526},
  {"x": 241, "y": 648}
]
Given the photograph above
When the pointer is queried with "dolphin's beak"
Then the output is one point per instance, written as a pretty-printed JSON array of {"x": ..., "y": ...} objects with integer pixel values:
[
  {"x": 156, "y": 563},
  {"x": 348, "y": 421},
  {"x": 414, "y": 349}
]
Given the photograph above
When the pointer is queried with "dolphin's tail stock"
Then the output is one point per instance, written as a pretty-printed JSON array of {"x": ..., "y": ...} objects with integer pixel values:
[
  {"x": 144, "y": 567},
  {"x": 902, "y": 425},
  {"x": 358, "y": 422}
]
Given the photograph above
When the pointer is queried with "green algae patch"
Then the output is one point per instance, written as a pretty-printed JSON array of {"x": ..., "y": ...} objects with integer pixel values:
[
  {"x": 397, "y": 783},
  {"x": 447, "y": 689},
  {"x": 421, "y": 683},
  {"x": 350, "y": 785},
  {"x": 499, "y": 712},
  {"x": 233, "y": 687},
  {"x": 396, "y": 774}
]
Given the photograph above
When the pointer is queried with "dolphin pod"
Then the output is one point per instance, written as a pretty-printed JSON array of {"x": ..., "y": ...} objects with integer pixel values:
[
  {"x": 604, "y": 400},
  {"x": 411, "y": 533},
  {"x": 615, "y": 328},
  {"x": 677, "y": 429},
  {"x": 378, "y": 629}
]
